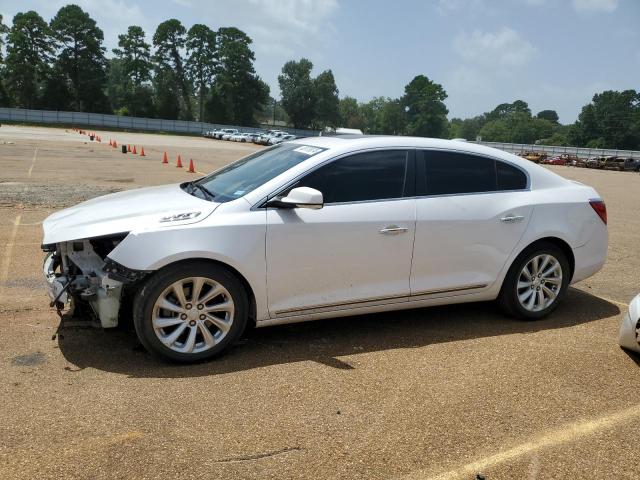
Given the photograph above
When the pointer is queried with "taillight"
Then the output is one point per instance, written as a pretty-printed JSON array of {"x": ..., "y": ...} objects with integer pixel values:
[{"x": 600, "y": 208}]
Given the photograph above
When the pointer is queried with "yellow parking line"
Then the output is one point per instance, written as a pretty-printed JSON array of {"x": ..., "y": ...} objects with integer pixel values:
[
  {"x": 568, "y": 433},
  {"x": 33, "y": 163}
]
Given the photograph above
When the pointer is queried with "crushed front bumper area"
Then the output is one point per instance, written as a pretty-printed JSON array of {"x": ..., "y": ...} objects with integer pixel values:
[{"x": 76, "y": 274}]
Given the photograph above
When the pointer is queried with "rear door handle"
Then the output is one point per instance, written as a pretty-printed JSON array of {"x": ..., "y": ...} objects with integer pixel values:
[
  {"x": 393, "y": 230},
  {"x": 512, "y": 219}
]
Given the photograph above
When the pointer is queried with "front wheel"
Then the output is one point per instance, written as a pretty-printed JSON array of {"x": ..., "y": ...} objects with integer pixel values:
[
  {"x": 190, "y": 312},
  {"x": 536, "y": 282}
]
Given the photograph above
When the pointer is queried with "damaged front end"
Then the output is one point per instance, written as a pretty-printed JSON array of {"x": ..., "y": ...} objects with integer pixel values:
[{"x": 80, "y": 274}]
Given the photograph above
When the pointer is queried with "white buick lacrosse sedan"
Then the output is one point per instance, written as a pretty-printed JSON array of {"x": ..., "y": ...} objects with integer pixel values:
[{"x": 325, "y": 227}]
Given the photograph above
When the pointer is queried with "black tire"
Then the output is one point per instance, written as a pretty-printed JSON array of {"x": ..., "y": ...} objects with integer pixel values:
[
  {"x": 159, "y": 281},
  {"x": 508, "y": 298}
]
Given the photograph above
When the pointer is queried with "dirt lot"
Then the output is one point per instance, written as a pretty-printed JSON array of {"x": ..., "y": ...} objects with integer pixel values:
[{"x": 434, "y": 393}]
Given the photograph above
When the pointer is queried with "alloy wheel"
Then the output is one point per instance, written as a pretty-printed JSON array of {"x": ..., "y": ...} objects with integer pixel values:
[
  {"x": 539, "y": 283},
  {"x": 193, "y": 315}
]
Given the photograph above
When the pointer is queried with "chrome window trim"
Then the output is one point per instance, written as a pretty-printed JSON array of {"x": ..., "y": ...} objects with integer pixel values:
[
  {"x": 474, "y": 154},
  {"x": 260, "y": 204}
]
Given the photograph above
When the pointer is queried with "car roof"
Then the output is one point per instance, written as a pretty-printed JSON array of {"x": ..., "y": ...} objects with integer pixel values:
[
  {"x": 339, "y": 144},
  {"x": 356, "y": 142}
]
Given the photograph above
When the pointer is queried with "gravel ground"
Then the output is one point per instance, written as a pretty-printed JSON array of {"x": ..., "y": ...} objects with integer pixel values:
[
  {"x": 17, "y": 194},
  {"x": 442, "y": 393}
]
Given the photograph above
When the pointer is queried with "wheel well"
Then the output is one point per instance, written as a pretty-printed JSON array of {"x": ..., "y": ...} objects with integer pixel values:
[
  {"x": 562, "y": 245},
  {"x": 245, "y": 283}
]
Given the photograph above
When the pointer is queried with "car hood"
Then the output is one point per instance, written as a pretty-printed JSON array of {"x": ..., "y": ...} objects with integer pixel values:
[{"x": 121, "y": 212}]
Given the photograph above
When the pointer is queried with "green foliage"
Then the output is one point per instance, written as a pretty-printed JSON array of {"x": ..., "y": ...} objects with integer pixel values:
[
  {"x": 469, "y": 128},
  {"x": 550, "y": 115},
  {"x": 298, "y": 92},
  {"x": 80, "y": 62},
  {"x": 496, "y": 131},
  {"x": 505, "y": 110},
  {"x": 426, "y": 111},
  {"x": 350, "y": 113},
  {"x": 611, "y": 120},
  {"x": 133, "y": 72},
  {"x": 202, "y": 60},
  {"x": 29, "y": 53},
  {"x": 169, "y": 40},
  {"x": 327, "y": 102},
  {"x": 238, "y": 93}
]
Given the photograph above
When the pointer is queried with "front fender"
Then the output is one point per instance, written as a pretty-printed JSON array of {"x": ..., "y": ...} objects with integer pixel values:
[{"x": 241, "y": 245}]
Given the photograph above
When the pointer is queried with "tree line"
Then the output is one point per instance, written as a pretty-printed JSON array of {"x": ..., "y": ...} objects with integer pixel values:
[
  {"x": 208, "y": 75},
  {"x": 185, "y": 74}
]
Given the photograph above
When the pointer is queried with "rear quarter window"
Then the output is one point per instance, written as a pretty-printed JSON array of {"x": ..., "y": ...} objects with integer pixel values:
[{"x": 510, "y": 177}]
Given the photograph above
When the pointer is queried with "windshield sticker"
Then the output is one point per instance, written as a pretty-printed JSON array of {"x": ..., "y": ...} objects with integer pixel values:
[
  {"x": 238, "y": 192},
  {"x": 308, "y": 150}
]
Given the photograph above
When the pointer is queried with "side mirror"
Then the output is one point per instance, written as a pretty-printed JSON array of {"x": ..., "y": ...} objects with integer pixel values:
[{"x": 301, "y": 197}]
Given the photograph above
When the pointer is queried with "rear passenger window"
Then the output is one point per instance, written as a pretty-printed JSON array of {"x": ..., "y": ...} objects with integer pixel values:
[
  {"x": 365, "y": 176},
  {"x": 449, "y": 173},
  {"x": 509, "y": 177}
]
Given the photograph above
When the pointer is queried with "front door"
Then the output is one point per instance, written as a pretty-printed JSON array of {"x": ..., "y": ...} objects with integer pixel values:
[{"x": 353, "y": 252}]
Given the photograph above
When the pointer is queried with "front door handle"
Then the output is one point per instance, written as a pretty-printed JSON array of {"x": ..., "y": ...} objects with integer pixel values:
[
  {"x": 512, "y": 219},
  {"x": 393, "y": 230}
]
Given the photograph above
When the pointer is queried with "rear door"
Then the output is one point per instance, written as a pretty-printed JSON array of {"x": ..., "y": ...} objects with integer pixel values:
[{"x": 472, "y": 212}]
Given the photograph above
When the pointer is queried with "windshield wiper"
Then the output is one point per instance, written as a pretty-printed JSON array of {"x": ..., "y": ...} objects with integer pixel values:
[{"x": 206, "y": 192}]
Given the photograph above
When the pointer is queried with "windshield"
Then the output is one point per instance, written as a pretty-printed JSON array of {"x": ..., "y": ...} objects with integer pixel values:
[{"x": 248, "y": 173}]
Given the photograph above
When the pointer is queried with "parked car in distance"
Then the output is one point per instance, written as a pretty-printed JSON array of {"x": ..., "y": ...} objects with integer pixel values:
[
  {"x": 276, "y": 139},
  {"x": 251, "y": 137},
  {"x": 558, "y": 160},
  {"x": 225, "y": 131},
  {"x": 237, "y": 137},
  {"x": 629, "y": 336},
  {"x": 228, "y": 134},
  {"x": 580, "y": 162},
  {"x": 383, "y": 223},
  {"x": 265, "y": 139},
  {"x": 595, "y": 162},
  {"x": 622, "y": 164},
  {"x": 535, "y": 157}
]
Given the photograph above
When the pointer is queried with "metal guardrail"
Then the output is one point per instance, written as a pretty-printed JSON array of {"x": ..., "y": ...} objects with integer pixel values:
[
  {"x": 557, "y": 150},
  {"x": 183, "y": 126},
  {"x": 82, "y": 119}
]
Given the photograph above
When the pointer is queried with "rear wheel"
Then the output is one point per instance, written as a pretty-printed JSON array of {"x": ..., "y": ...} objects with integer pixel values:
[
  {"x": 191, "y": 312},
  {"x": 536, "y": 282}
]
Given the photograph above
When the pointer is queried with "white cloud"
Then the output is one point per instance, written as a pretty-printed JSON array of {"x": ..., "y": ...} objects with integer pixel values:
[
  {"x": 274, "y": 23},
  {"x": 595, "y": 5},
  {"x": 505, "y": 48},
  {"x": 445, "y": 7}
]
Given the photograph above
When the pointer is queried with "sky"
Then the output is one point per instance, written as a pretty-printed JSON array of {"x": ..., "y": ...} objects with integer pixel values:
[{"x": 554, "y": 54}]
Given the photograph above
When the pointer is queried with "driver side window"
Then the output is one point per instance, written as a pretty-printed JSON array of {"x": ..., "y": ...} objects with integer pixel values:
[{"x": 366, "y": 176}]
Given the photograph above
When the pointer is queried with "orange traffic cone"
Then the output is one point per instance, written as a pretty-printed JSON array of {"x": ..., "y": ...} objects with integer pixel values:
[
  {"x": 165, "y": 159},
  {"x": 110, "y": 143},
  {"x": 142, "y": 152},
  {"x": 134, "y": 150},
  {"x": 129, "y": 148},
  {"x": 191, "y": 168},
  {"x": 115, "y": 145},
  {"x": 179, "y": 162}
]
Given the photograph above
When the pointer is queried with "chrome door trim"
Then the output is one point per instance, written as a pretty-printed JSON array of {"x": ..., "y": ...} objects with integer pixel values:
[{"x": 373, "y": 301}]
